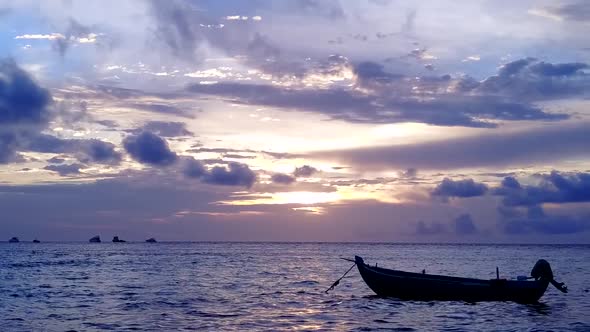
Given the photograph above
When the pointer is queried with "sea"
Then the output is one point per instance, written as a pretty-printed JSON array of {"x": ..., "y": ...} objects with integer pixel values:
[{"x": 272, "y": 287}]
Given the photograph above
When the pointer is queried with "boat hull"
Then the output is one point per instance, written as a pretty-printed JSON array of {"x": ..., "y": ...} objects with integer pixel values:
[{"x": 417, "y": 286}]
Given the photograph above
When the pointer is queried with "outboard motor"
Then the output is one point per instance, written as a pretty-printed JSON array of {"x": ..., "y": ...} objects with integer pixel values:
[{"x": 542, "y": 270}]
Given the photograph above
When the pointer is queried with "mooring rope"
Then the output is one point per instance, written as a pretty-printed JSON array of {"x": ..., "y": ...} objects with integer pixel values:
[{"x": 338, "y": 281}]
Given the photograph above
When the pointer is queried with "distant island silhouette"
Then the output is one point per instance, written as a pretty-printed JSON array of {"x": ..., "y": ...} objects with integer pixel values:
[{"x": 117, "y": 240}]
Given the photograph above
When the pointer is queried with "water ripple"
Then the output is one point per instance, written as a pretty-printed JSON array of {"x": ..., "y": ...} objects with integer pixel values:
[{"x": 269, "y": 286}]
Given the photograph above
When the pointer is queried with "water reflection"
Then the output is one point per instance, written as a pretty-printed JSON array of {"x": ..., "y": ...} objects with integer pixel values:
[{"x": 249, "y": 286}]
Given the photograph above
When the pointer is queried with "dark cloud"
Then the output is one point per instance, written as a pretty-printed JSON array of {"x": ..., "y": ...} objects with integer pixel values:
[
  {"x": 528, "y": 79},
  {"x": 572, "y": 10},
  {"x": 165, "y": 129},
  {"x": 382, "y": 97},
  {"x": 86, "y": 150},
  {"x": 434, "y": 228},
  {"x": 50, "y": 144},
  {"x": 561, "y": 69},
  {"x": 237, "y": 156},
  {"x": 148, "y": 148},
  {"x": 22, "y": 100},
  {"x": 100, "y": 152},
  {"x": 65, "y": 170},
  {"x": 73, "y": 31},
  {"x": 237, "y": 175},
  {"x": 464, "y": 225},
  {"x": 163, "y": 109},
  {"x": 535, "y": 220},
  {"x": 304, "y": 171},
  {"x": 554, "y": 188},
  {"x": 228, "y": 152},
  {"x": 487, "y": 150},
  {"x": 24, "y": 109},
  {"x": 372, "y": 72},
  {"x": 193, "y": 168},
  {"x": 282, "y": 178},
  {"x": 459, "y": 188},
  {"x": 162, "y": 102},
  {"x": 56, "y": 160},
  {"x": 107, "y": 123},
  {"x": 510, "y": 183}
]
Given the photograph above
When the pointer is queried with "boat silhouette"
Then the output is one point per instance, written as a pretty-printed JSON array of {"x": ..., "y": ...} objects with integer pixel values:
[{"x": 422, "y": 286}]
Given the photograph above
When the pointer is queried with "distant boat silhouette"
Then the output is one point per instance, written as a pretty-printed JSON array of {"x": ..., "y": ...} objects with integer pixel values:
[
  {"x": 14, "y": 240},
  {"x": 95, "y": 239},
  {"x": 151, "y": 240},
  {"x": 117, "y": 240},
  {"x": 36, "y": 241}
]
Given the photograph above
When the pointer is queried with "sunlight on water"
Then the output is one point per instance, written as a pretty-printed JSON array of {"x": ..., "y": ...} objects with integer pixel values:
[{"x": 269, "y": 286}]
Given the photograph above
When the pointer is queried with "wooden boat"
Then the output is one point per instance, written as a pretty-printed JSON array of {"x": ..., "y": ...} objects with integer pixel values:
[{"x": 422, "y": 286}]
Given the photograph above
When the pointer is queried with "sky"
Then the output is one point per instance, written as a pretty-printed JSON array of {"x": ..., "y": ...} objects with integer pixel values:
[{"x": 296, "y": 120}]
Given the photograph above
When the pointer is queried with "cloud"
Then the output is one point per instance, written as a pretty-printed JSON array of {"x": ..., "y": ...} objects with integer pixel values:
[
  {"x": 65, "y": 170},
  {"x": 188, "y": 31},
  {"x": 282, "y": 178},
  {"x": 409, "y": 173},
  {"x": 408, "y": 25},
  {"x": 304, "y": 171},
  {"x": 464, "y": 225},
  {"x": 165, "y": 129},
  {"x": 434, "y": 228},
  {"x": 487, "y": 150},
  {"x": 528, "y": 79},
  {"x": 553, "y": 188},
  {"x": 193, "y": 168},
  {"x": 382, "y": 97},
  {"x": 536, "y": 221},
  {"x": 371, "y": 72},
  {"x": 148, "y": 148},
  {"x": 56, "y": 160},
  {"x": 75, "y": 32},
  {"x": 571, "y": 11},
  {"x": 24, "y": 109},
  {"x": 86, "y": 150},
  {"x": 237, "y": 175},
  {"x": 561, "y": 69},
  {"x": 162, "y": 109},
  {"x": 22, "y": 100},
  {"x": 459, "y": 188},
  {"x": 101, "y": 152}
]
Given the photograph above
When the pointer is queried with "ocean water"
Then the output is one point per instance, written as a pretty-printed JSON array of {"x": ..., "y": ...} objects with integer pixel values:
[{"x": 271, "y": 287}]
